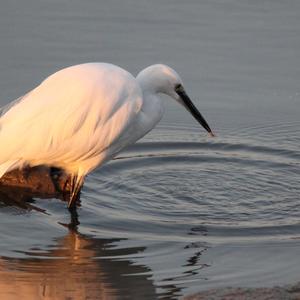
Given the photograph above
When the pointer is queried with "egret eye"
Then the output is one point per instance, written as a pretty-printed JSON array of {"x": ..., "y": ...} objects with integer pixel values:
[{"x": 178, "y": 87}]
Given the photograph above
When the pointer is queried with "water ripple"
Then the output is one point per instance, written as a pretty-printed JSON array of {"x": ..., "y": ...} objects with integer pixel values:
[{"x": 167, "y": 188}]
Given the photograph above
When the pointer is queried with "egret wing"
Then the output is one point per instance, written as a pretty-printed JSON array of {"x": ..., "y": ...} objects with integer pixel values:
[{"x": 72, "y": 118}]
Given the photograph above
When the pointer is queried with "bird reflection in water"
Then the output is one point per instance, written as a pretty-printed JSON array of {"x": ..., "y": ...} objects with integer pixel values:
[{"x": 78, "y": 266}]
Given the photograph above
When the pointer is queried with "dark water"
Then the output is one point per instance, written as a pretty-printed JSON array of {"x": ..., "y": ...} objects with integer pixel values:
[{"x": 178, "y": 212}]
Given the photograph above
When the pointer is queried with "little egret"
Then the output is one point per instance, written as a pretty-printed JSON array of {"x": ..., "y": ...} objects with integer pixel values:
[{"x": 82, "y": 116}]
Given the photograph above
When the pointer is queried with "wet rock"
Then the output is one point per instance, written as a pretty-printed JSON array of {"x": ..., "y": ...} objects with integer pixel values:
[{"x": 39, "y": 181}]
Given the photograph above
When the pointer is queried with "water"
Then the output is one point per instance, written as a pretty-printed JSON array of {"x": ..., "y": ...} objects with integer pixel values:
[{"x": 178, "y": 212}]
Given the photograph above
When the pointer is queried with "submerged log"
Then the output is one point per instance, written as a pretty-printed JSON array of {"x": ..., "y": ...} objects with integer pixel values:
[{"x": 41, "y": 181}]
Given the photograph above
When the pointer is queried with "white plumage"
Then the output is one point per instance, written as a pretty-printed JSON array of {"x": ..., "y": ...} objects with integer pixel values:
[{"x": 82, "y": 116}]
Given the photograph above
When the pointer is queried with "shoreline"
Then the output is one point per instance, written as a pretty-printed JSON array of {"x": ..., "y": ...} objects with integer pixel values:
[{"x": 286, "y": 292}]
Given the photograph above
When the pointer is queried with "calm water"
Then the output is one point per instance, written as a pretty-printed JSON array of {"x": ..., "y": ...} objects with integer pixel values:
[{"x": 178, "y": 212}]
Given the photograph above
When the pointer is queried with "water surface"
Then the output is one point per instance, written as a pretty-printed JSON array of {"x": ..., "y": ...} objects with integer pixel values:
[{"x": 178, "y": 212}]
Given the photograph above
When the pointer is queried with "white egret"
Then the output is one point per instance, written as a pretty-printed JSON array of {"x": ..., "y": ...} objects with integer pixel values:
[{"x": 82, "y": 116}]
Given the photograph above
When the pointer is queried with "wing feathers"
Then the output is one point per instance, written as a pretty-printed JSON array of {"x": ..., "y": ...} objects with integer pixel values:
[{"x": 74, "y": 116}]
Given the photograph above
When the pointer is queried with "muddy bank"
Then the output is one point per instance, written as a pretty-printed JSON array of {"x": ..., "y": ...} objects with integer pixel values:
[{"x": 289, "y": 292}]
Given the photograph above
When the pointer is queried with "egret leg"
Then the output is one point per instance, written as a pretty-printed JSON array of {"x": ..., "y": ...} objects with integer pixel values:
[
  {"x": 74, "y": 218},
  {"x": 75, "y": 188}
]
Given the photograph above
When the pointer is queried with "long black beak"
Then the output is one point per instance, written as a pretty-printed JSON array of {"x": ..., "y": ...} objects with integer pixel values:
[{"x": 189, "y": 105}]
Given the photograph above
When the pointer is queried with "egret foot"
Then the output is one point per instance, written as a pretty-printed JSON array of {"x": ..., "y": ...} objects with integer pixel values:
[{"x": 74, "y": 222}]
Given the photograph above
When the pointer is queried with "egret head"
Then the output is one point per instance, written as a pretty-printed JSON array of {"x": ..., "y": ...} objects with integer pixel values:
[{"x": 162, "y": 79}]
